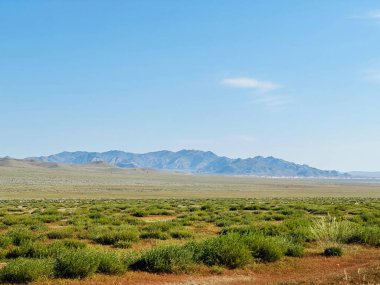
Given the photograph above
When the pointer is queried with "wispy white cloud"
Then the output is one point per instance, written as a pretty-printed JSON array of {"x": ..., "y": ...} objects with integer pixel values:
[
  {"x": 372, "y": 75},
  {"x": 262, "y": 92},
  {"x": 374, "y": 14},
  {"x": 250, "y": 83},
  {"x": 273, "y": 102}
]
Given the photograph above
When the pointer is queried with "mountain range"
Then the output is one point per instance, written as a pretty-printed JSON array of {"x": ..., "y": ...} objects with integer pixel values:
[{"x": 193, "y": 161}]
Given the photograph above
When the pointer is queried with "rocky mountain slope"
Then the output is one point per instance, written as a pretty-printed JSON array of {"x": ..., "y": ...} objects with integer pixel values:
[{"x": 194, "y": 161}]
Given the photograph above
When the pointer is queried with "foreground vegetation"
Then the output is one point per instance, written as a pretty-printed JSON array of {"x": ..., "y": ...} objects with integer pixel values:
[{"x": 77, "y": 238}]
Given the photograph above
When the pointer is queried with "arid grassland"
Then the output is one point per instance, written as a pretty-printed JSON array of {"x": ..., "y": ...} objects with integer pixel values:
[
  {"x": 242, "y": 239},
  {"x": 100, "y": 225},
  {"x": 33, "y": 180}
]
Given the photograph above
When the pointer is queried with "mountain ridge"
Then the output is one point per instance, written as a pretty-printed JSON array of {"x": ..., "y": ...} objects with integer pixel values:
[{"x": 193, "y": 161}]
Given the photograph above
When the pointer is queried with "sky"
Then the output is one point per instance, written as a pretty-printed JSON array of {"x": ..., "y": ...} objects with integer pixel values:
[{"x": 294, "y": 79}]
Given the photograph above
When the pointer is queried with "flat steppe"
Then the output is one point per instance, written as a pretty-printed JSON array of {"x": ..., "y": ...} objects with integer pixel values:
[
  {"x": 35, "y": 180},
  {"x": 73, "y": 193}
]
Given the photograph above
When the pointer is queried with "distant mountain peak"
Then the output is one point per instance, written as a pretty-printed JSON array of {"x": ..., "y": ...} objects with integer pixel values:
[{"x": 195, "y": 161}]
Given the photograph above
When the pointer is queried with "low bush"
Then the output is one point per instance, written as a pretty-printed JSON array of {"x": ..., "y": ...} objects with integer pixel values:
[
  {"x": 156, "y": 234},
  {"x": 19, "y": 236},
  {"x": 180, "y": 234},
  {"x": 260, "y": 228},
  {"x": 129, "y": 259},
  {"x": 29, "y": 250},
  {"x": 228, "y": 250},
  {"x": 110, "y": 263},
  {"x": 168, "y": 259},
  {"x": 267, "y": 249},
  {"x": 139, "y": 214},
  {"x": 367, "y": 234},
  {"x": 112, "y": 237},
  {"x": 76, "y": 264},
  {"x": 60, "y": 234},
  {"x": 333, "y": 251},
  {"x": 5, "y": 241},
  {"x": 299, "y": 229},
  {"x": 73, "y": 244},
  {"x": 371, "y": 235},
  {"x": 26, "y": 270},
  {"x": 12, "y": 220},
  {"x": 295, "y": 250}
]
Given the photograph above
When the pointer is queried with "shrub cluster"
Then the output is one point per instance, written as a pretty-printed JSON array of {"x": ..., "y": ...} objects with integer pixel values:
[
  {"x": 116, "y": 236},
  {"x": 168, "y": 259},
  {"x": 23, "y": 270},
  {"x": 76, "y": 264},
  {"x": 266, "y": 249},
  {"x": 228, "y": 250},
  {"x": 245, "y": 235}
]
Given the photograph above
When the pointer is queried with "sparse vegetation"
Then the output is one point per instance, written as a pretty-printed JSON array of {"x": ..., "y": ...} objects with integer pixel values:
[{"x": 79, "y": 238}]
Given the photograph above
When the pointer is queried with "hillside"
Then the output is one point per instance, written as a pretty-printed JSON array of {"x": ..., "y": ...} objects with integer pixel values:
[{"x": 192, "y": 161}]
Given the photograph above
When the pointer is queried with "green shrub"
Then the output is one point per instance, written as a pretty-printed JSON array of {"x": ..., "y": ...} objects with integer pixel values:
[
  {"x": 11, "y": 220},
  {"x": 76, "y": 264},
  {"x": 112, "y": 237},
  {"x": 333, "y": 251},
  {"x": 26, "y": 270},
  {"x": 29, "y": 250},
  {"x": 56, "y": 248},
  {"x": 129, "y": 259},
  {"x": 228, "y": 250},
  {"x": 139, "y": 214},
  {"x": 73, "y": 244},
  {"x": 267, "y": 249},
  {"x": 156, "y": 234},
  {"x": 180, "y": 234},
  {"x": 368, "y": 234},
  {"x": 5, "y": 241},
  {"x": 295, "y": 250},
  {"x": 168, "y": 259},
  {"x": 19, "y": 236},
  {"x": 260, "y": 228},
  {"x": 371, "y": 235},
  {"x": 3, "y": 253},
  {"x": 60, "y": 234},
  {"x": 110, "y": 263},
  {"x": 299, "y": 229}
]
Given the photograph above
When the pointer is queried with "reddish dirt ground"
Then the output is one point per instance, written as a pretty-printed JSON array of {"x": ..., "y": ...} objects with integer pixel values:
[{"x": 361, "y": 265}]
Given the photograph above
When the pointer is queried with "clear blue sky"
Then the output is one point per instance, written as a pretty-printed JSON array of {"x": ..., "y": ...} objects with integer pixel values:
[{"x": 298, "y": 80}]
